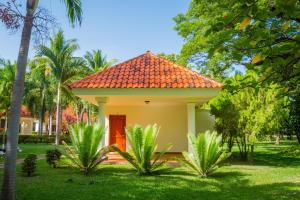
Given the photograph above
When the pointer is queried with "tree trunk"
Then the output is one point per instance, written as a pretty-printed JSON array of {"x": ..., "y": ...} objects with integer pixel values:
[
  {"x": 50, "y": 122},
  {"x": 58, "y": 115},
  {"x": 277, "y": 139},
  {"x": 42, "y": 112},
  {"x": 8, "y": 186}
]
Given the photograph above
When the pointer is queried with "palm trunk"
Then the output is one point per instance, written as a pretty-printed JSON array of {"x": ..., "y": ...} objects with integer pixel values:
[
  {"x": 42, "y": 111},
  {"x": 9, "y": 180},
  {"x": 58, "y": 115},
  {"x": 50, "y": 123}
]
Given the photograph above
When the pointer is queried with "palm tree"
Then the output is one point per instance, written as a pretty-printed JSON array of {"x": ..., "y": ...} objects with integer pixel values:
[
  {"x": 64, "y": 67},
  {"x": 96, "y": 61},
  {"x": 38, "y": 90},
  {"x": 7, "y": 75},
  {"x": 75, "y": 15}
]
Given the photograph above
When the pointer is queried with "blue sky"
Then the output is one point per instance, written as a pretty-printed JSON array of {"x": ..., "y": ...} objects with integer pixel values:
[{"x": 121, "y": 28}]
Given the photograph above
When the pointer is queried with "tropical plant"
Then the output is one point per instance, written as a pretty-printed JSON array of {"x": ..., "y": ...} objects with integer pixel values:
[
  {"x": 13, "y": 19},
  {"x": 29, "y": 164},
  {"x": 86, "y": 152},
  {"x": 142, "y": 155},
  {"x": 64, "y": 67},
  {"x": 207, "y": 153},
  {"x": 7, "y": 75},
  {"x": 96, "y": 61}
]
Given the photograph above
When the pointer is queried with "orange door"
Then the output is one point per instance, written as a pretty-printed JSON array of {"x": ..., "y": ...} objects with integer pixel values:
[{"x": 117, "y": 134}]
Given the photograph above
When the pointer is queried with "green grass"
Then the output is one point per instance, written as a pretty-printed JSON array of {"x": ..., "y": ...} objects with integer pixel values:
[
  {"x": 38, "y": 149},
  {"x": 272, "y": 176}
]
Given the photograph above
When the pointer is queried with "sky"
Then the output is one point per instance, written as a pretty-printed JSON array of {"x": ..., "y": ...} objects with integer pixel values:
[{"x": 122, "y": 29}]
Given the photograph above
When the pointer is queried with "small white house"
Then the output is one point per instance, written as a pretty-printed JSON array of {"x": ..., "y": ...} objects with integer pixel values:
[
  {"x": 28, "y": 124},
  {"x": 149, "y": 89}
]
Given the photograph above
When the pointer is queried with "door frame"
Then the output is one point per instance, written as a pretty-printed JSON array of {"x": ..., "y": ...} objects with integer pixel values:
[{"x": 109, "y": 133}]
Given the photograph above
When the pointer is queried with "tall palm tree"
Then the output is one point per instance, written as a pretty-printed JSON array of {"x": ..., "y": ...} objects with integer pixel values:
[
  {"x": 75, "y": 15},
  {"x": 96, "y": 61},
  {"x": 64, "y": 67},
  {"x": 39, "y": 89}
]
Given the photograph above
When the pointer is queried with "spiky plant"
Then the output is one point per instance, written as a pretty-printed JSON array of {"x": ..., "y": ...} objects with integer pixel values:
[
  {"x": 86, "y": 152},
  {"x": 207, "y": 153},
  {"x": 142, "y": 154}
]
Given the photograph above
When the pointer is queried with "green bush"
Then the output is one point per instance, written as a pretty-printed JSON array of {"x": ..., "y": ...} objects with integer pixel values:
[
  {"x": 143, "y": 147},
  {"x": 291, "y": 151},
  {"x": 207, "y": 153},
  {"x": 25, "y": 139},
  {"x": 29, "y": 164},
  {"x": 85, "y": 152},
  {"x": 53, "y": 157}
]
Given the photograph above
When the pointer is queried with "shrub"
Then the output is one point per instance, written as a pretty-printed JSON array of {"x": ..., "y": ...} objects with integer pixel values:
[
  {"x": 292, "y": 151},
  {"x": 143, "y": 147},
  {"x": 207, "y": 153},
  {"x": 29, "y": 164},
  {"x": 52, "y": 157},
  {"x": 85, "y": 152}
]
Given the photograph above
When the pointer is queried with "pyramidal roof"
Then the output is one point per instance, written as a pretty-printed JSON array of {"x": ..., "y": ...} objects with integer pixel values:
[{"x": 146, "y": 71}]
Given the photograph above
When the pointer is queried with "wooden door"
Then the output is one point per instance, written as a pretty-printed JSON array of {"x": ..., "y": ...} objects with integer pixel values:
[{"x": 117, "y": 124}]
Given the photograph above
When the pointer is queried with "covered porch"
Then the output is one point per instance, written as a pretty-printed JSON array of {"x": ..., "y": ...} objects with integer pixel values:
[{"x": 177, "y": 111}]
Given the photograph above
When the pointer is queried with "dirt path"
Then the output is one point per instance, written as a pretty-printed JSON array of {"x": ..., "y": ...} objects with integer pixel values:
[{"x": 20, "y": 160}]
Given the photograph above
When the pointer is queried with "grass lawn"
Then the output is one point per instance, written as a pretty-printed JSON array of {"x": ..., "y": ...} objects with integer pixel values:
[
  {"x": 38, "y": 149},
  {"x": 272, "y": 176}
]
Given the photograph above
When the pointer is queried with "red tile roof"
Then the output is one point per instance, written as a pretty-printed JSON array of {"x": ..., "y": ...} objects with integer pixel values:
[{"x": 147, "y": 71}]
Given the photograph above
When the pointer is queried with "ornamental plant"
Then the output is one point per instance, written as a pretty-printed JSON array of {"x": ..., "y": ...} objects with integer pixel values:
[
  {"x": 29, "y": 164},
  {"x": 53, "y": 157},
  {"x": 207, "y": 153},
  {"x": 142, "y": 154},
  {"x": 86, "y": 151}
]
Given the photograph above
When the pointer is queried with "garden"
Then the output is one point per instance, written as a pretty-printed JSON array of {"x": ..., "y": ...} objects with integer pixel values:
[{"x": 246, "y": 58}]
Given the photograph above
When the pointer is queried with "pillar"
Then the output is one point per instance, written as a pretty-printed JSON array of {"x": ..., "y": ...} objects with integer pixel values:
[{"x": 191, "y": 115}]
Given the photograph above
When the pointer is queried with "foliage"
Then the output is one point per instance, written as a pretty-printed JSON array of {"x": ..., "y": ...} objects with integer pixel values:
[
  {"x": 273, "y": 177},
  {"x": 243, "y": 116},
  {"x": 64, "y": 67},
  {"x": 96, "y": 61},
  {"x": 38, "y": 139},
  {"x": 85, "y": 152},
  {"x": 7, "y": 75},
  {"x": 292, "y": 151},
  {"x": 207, "y": 153},
  {"x": 171, "y": 57},
  {"x": 261, "y": 35},
  {"x": 292, "y": 125},
  {"x": 53, "y": 157},
  {"x": 29, "y": 164},
  {"x": 143, "y": 148}
]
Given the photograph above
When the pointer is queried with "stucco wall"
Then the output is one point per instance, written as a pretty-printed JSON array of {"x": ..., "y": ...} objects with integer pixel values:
[
  {"x": 26, "y": 126},
  {"x": 204, "y": 120},
  {"x": 171, "y": 118}
]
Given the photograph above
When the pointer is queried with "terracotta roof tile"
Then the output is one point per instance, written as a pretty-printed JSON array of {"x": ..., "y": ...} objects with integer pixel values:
[{"x": 147, "y": 71}]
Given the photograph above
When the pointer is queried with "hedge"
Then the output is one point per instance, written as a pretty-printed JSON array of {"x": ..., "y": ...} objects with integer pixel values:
[{"x": 24, "y": 139}]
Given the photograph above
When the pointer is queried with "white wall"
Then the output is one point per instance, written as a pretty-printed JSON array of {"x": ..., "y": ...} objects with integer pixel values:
[
  {"x": 204, "y": 121},
  {"x": 171, "y": 118}
]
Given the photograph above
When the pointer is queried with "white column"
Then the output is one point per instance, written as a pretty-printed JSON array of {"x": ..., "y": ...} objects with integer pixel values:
[
  {"x": 191, "y": 121},
  {"x": 101, "y": 116}
]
